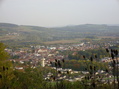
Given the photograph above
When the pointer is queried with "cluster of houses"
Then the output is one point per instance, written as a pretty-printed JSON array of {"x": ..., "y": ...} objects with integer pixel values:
[
  {"x": 52, "y": 50},
  {"x": 67, "y": 74},
  {"x": 12, "y": 34},
  {"x": 35, "y": 56}
]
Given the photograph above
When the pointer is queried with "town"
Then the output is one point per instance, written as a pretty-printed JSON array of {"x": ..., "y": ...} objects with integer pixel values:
[{"x": 47, "y": 56}]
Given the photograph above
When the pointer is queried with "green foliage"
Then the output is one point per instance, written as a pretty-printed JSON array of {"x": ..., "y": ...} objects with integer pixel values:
[
  {"x": 3, "y": 53},
  {"x": 101, "y": 53},
  {"x": 80, "y": 65},
  {"x": 6, "y": 68},
  {"x": 28, "y": 79}
]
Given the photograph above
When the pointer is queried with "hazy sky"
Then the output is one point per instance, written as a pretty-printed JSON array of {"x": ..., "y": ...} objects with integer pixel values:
[{"x": 49, "y": 13}]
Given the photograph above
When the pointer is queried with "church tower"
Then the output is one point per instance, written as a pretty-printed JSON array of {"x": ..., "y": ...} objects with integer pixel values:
[{"x": 43, "y": 62}]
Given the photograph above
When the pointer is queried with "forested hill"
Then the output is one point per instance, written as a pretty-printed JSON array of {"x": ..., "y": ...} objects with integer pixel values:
[{"x": 35, "y": 34}]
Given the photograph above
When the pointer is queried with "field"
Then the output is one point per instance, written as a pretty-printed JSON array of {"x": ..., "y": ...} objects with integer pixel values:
[
  {"x": 77, "y": 40},
  {"x": 112, "y": 37}
]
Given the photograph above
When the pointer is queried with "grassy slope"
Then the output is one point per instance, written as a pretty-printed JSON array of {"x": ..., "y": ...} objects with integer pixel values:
[{"x": 68, "y": 34}]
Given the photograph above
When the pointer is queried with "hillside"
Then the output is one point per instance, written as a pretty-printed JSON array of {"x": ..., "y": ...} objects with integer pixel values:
[{"x": 21, "y": 34}]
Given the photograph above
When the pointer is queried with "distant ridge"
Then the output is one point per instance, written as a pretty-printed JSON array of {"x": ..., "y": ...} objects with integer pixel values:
[
  {"x": 27, "y": 34},
  {"x": 8, "y": 25},
  {"x": 113, "y": 24},
  {"x": 15, "y": 25}
]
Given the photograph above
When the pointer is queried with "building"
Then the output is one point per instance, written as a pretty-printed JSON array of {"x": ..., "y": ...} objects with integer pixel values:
[{"x": 43, "y": 62}]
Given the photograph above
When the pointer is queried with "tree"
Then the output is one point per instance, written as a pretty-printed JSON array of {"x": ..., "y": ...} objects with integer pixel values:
[
  {"x": 28, "y": 79},
  {"x": 6, "y": 70}
]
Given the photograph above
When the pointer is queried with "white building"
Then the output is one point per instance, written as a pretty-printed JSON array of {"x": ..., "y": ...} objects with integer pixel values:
[{"x": 43, "y": 62}]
